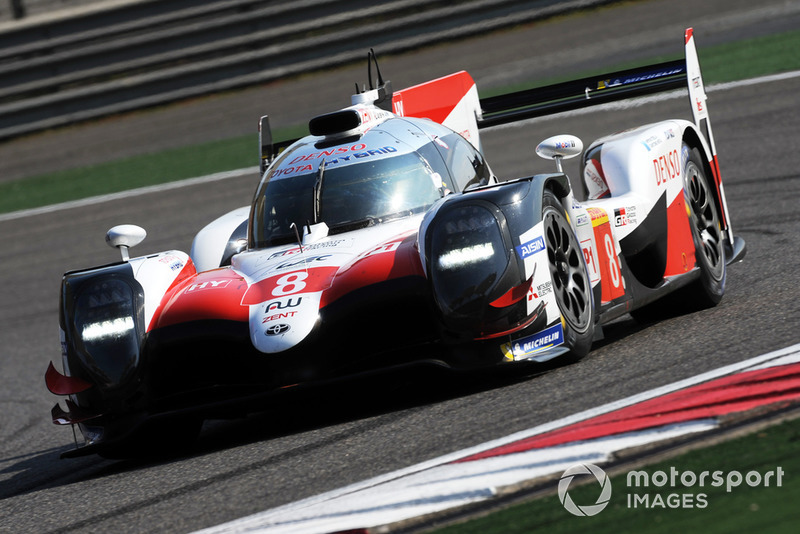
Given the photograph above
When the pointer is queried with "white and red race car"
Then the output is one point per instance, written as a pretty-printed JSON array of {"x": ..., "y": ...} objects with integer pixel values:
[{"x": 384, "y": 239}]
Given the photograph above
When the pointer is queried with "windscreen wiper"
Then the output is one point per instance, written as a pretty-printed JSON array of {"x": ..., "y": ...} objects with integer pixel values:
[{"x": 318, "y": 191}]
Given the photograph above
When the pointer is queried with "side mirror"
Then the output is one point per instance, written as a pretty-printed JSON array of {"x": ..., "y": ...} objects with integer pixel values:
[
  {"x": 124, "y": 237},
  {"x": 560, "y": 147}
]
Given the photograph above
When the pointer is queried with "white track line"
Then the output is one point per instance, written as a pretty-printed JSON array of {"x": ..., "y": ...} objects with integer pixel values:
[
  {"x": 240, "y": 172},
  {"x": 128, "y": 194}
]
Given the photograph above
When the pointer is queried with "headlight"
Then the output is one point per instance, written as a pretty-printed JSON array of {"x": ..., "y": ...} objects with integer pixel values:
[
  {"x": 462, "y": 257},
  {"x": 105, "y": 329},
  {"x": 468, "y": 256}
]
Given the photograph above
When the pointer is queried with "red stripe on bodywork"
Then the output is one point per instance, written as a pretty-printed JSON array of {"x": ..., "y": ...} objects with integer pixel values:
[
  {"x": 215, "y": 294},
  {"x": 735, "y": 393},
  {"x": 188, "y": 270},
  {"x": 433, "y": 100},
  {"x": 680, "y": 245},
  {"x": 394, "y": 259}
]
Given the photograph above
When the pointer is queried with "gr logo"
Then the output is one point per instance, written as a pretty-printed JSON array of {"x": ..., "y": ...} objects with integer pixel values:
[{"x": 602, "y": 500}]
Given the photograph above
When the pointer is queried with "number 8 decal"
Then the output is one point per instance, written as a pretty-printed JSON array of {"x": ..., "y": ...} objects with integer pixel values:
[
  {"x": 613, "y": 267},
  {"x": 290, "y": 283},
  {"x": 610, "y": 269}
]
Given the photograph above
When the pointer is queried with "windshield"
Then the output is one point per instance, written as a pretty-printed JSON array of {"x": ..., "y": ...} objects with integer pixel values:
[{"x": 344, "y": 197}]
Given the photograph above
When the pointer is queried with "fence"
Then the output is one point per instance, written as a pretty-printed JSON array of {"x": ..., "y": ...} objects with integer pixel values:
[{"x": 153, "y": 52}]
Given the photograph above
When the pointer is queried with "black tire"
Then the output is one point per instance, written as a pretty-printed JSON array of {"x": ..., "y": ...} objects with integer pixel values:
[
  {"x": 707, "y": 233},
  {"x": 571, "y": 285}
]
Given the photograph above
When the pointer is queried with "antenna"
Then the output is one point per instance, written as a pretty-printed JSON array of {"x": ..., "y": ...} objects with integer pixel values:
[
  {"x": 297, "y": 235},
  {"x": 377, "y": 68},
  {"x": 370, "y": 55}
]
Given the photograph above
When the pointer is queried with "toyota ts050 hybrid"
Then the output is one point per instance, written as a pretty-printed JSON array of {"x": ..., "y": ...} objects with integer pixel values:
[{"x": 383, "y": 239}]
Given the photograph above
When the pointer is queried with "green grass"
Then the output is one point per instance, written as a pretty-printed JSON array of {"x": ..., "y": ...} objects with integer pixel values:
[
  {"x": 745, "y": 509},
  {"x": 129, "y": 173},
  {"x": 734, "y": 61}
]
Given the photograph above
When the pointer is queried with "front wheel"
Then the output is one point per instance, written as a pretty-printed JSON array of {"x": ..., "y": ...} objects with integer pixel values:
[{"x": 571, "y": 285}]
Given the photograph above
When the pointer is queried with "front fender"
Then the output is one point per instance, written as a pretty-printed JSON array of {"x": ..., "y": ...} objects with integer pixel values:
[
  {"x": 477, "y": 250},
  {"x": 104, "y": 315}
]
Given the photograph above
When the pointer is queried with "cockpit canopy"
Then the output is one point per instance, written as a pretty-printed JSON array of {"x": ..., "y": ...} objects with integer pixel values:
[{"x": 395, "y": 170}]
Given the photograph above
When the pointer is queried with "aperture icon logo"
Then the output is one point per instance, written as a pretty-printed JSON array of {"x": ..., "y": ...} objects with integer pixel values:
[{"x": 586, "y": 510}]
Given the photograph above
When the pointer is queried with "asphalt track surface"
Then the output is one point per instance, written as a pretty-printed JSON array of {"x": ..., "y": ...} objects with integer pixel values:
[{"x": 304, "y": 445}]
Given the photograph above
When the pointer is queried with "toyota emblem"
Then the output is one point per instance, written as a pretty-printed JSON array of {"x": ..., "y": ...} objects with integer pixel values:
[{"x": 276, "y": 330}]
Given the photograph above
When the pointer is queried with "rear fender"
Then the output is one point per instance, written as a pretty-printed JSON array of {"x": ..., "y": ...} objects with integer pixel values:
[{"x": 217, "y": 242}]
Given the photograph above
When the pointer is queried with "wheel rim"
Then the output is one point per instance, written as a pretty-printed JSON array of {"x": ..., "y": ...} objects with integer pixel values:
[
  {"x": 705, "y": 221},
  {"x": 570, "y": 282}
]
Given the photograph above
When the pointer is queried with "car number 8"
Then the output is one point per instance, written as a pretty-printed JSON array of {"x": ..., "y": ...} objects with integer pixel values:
[
  {"x": 290, "y": 283},
  {"x": 612, "y": 260}
]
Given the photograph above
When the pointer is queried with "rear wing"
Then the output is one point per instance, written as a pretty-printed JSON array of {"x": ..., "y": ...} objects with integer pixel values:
[
  {"x": 601, "y": 89},
  {"x": 585, "y": 92}
]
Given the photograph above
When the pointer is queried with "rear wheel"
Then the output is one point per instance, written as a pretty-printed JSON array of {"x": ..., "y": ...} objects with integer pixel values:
[
  {"x": 706, "y": 232},
  {"x": 571, "y": 285},
  {"x": 707, "y": 235}
]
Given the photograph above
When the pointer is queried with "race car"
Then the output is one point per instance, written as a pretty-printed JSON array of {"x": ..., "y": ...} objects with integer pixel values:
[{"x": 384, "y": 239}]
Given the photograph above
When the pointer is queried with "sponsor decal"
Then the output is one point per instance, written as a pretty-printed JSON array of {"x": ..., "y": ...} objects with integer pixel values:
[
  {"x": 591, "y": 264},
  {"x": 276, "y": 316},
  {"x": 281, "y": 304},
  {"x": 565, "y": 144},
  {"x": 302, "y": 261},
  {"x": 627, "y": 80},
  {"x": 547, "y": 338},
  {"x": 543, "y": 289},
  {"x": 667, "y": 167},
  {"x": 332, "y": 152},
  {"x": 210, "y": 284},
  {"x": 582, "y": 219},
  {"x": 343, "y": 155},
  {"x": 175, "y": 263},
  {"x": 531, "y": 247},
  {"x": 598, "y": 215},
  {"x": 624, "y": 216},
  {"x": 277, "y": 329},
  {"x": 652, "y": 142},
  {"x": 312, "y": 246}
]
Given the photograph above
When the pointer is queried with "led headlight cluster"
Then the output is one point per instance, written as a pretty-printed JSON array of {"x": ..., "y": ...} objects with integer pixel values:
[
  {"x": 468, "y": 256},
  {"x": 105, "y": 328}
]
